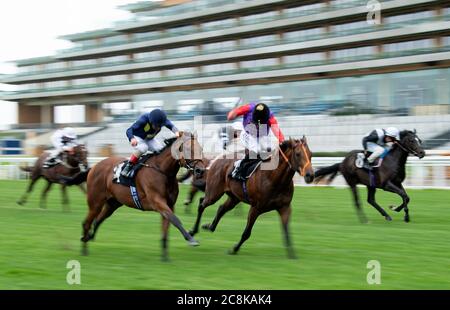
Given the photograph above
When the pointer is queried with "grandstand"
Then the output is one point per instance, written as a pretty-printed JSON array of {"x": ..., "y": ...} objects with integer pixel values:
[{"x": 321, "y": 65}]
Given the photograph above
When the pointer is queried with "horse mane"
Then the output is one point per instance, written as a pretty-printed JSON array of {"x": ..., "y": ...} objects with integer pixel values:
[{"x": 405, "y": 133}]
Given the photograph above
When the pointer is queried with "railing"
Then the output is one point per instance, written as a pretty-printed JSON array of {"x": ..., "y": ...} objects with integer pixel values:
[{"x": 429, "y": 172}]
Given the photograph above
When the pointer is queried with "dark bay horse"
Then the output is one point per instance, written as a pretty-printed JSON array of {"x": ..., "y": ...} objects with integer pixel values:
[
  {"x": 156, "y": 184},
  {"x": 71, "y": 165},
  {"x": 267, "y": 190},
  {"x": 389, "y": 176}
]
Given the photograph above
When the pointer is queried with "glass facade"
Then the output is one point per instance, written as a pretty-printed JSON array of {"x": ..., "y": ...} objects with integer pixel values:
[{"x": 397, "y": 93}]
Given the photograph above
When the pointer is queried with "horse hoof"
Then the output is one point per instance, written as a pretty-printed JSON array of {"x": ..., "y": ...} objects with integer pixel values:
[
  {"x": 192, "y": 233},
  {"x": 165, "y": 259},
  {"x": 207, "y": 227},
  {"x": 232, "y": 252},
  {"x": 407, "y": 220},
  {"x": 388, "y": 218},
  {"x": 20, "y": 203},
  {"x": 292, "y": 256},
  {"x": 193, "y": 242}
]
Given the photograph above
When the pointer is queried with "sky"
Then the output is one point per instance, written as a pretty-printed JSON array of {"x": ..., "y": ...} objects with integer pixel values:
[{"x": 29, "y": 28}]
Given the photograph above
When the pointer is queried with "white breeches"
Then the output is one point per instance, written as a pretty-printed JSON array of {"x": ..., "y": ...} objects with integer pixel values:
[
  {"x": 253, "y": 144},
  {"x": 143, "y": 146},
  {"x": 376, "y": 151}
]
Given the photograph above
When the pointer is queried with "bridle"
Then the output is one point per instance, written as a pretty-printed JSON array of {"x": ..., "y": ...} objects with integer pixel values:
[
  {"x": 190, "y": 165},
  {"x": 304, "y": 166},
  {"x": 404, "y": 148}
]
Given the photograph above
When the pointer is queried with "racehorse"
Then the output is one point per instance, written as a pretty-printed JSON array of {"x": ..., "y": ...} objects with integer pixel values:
[
  {"x": 265, "y": 190},
  {"x": 156, "y": 184},
  {"x": 198, "y": 184},
  {"x": 389, "y": 176},
  {"x": 69, "y": 166}
]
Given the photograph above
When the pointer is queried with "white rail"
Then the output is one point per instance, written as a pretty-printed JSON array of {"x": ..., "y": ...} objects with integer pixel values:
[{"x": 429, "y": 172}]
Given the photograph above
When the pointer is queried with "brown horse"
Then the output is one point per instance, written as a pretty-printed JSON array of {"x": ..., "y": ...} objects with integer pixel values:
[
  {"x": 198, "y": 183},
  {"x": 69, "y": 167},
  {"x": 267, "y": 190},
  {"x": 156, "y": 184}
]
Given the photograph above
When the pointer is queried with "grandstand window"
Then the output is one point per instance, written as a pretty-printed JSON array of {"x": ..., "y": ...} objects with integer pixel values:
[
  {"x": 151, "y": 55},
  {"x": 181, "y": 71},
  {"x": 349, "y": 26},
  {"x": 55, "y": 84},
  {"x": 143, "y": 35},
  {"x": 87, "y": 81},
  {"x": 303, "y": 33},
  {"x": 259, "y": 63},
  {"x": 84, "y": 62},
  {"x": 219, "y": 67},
  {"x": 409, "y": 45},
  {"x": 181, "y": 50},
  {"x": 219, "y": 45},
  {"x": 114, "y": 59},
  {"x": 260, "y": 39},
  {"x": 115, "y": 39},
  {"x": 256, "y": 17},
  {"x": 114, "y": 78},
  {"x": 354, "y": 52},
  {"x": 219, "y": 24},
  {"x": 303, "y": 58},
  {"x": 303, "y": 8},
  {"x": 412, "y": 17},
  {"x": 146, "y": 75},
  {"x": 446, "y": 41},
  {"x": 182, "y": 29},
  {"x": 55, "y": 65}
]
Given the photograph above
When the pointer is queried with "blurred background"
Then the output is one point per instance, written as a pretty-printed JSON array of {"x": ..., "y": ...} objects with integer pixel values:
[{"x": 330, "y": 69}]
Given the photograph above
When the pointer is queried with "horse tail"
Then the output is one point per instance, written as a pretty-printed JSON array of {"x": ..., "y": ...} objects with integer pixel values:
[
  {"x": 330, "y": 171},
  {"x": 27, "y": 168},
  {"x": 184, "y": 177},
  {"x": 77, "y": 179}
]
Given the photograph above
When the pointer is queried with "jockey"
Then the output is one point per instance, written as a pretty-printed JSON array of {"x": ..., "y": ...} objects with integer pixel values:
[
  {"x": 63, "y": 140},
  {"x": 379, "y": 142},
  {"x": 257, "y": 120},
  {"x": 228, "y": 134},
  {"x": 142, "y": 133}
]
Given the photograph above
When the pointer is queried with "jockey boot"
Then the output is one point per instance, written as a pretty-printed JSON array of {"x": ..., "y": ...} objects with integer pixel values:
[
  {"x": 368, "y": 165},
  {"x": 127, "y": 170}
]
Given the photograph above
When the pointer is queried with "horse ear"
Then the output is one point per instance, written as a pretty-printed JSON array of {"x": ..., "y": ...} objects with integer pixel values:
[
  {"x": 304, "y": 139},
  {"x": 415, "y": 131}
]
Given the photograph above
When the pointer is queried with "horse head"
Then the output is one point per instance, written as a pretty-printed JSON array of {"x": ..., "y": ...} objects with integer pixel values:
[
  {"x": 78, "y": 156},
  {"x": 411, "y": 143},
  {"x": 188, "y": 151},
  {"x": 298, "y": 156}
]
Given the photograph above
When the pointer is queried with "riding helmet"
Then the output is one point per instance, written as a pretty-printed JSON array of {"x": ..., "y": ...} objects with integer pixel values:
[{"x": 261, "y": 114}]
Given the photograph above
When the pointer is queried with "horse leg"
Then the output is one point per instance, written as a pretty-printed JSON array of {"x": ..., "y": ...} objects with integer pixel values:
[
  {"x": 224, "y": 208},
  {"x": 95, "y": 207},
  {"x": 106, "y": 212},
  {"x": 164, "y": 241},
  {"x": 190, "y": 198},
  {"x": 371, "y": 200},
  {"x": 24, "y": 197},
  {"x": 399, "y": 190},
  {"x": 362, "y": 217},
  {"x": 65, "y": 198},
  {"x": 161, "y": 206},
  {"x": 285, "y": 214},
  {"x": 253, "y": 214},
  {"x": 82, "y": 188},
  {"x": 44, "y": 193}
]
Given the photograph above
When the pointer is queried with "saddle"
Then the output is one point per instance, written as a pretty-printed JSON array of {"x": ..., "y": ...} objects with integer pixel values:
[
  {"x": 362, "y": 163},
  {"x": 244, "y": 168},
  {"x": 119, "y": 179}
]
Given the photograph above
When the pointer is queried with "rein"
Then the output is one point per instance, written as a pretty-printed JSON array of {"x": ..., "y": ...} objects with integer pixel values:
[{"x": 406, "y": 149}]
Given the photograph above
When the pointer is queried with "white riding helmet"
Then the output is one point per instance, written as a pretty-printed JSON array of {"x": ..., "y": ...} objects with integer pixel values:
[
  {"x": 393, "y": 132},
  {"x": 69, "y": 132}
]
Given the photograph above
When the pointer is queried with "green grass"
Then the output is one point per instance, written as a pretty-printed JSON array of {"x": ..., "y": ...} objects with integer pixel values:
[{"x": 332, "y": 246}]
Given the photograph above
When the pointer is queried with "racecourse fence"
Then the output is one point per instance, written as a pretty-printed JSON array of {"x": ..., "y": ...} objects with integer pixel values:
[{"x": 430, "y": 172}]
